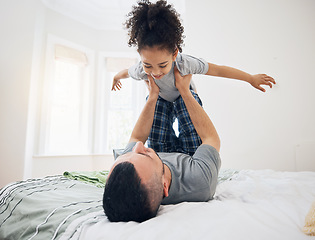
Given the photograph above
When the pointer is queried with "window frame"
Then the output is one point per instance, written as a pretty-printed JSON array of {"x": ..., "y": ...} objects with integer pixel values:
[
  {"x": 49, "y": 75},
  {"x": 104, "y": 87},
  {"x": 99, "y": 98}
]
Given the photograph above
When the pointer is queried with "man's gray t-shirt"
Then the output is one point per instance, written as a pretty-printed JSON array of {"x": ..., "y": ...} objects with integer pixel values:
[
  {"x": 194, "y": 178},
  {"x": 185, "y": 64}
]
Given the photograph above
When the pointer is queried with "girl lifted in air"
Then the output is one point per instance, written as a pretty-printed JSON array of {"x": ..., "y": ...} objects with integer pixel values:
[{"x": 155, "y": 29}]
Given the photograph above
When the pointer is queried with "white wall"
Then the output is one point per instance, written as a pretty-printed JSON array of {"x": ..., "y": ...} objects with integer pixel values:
[
  {"x": 24, "y": 26},
  {"x": 98, "y": 41},
  {"x": 17, "y": 22},
  {"x": 276, "y": 37},
  {"x": 258, "y": 130}
]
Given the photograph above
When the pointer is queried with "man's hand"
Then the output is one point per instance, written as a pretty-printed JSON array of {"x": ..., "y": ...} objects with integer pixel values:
[
  {"x": 152, "y": 87},
  {"x": 182, "y": 83},
  {"x": 261, "y": 79}
]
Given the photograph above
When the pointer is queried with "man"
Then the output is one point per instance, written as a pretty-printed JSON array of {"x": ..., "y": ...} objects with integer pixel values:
[{"x": 141, "y": 179}]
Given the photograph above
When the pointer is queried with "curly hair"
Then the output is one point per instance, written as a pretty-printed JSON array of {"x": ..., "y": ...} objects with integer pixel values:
[{"x": 154, "y": 24}]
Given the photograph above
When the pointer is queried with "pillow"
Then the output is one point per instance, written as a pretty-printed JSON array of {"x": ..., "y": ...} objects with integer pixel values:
[{"x": 309, "y": 227}]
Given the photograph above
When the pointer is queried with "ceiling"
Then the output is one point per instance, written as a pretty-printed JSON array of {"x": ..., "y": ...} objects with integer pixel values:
[{"x": 100, "y": 14}]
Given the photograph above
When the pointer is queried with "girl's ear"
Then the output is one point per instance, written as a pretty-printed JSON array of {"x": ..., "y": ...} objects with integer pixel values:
[{"x": 175, "y": 54}]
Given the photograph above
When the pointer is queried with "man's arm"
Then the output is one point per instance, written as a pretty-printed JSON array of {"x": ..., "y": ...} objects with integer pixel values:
[
  {"x": 198, "y": 116},
  {"x": 143, "y": 125},
  {"x": 228, "y": 72}
]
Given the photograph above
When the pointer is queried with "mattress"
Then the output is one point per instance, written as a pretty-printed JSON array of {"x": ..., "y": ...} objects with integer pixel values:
[{"x": 248, "y": 204}]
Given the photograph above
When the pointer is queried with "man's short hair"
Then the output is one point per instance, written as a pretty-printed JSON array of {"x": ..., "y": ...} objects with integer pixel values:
[{"x": 127, "y": 199}]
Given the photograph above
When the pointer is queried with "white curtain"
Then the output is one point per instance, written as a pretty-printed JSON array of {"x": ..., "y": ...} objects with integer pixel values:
[{"x": 71, "y": 55}]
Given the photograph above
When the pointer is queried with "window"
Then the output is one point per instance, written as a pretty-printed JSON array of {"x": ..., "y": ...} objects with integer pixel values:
[
  {"x": 119, "y": 109},
  {"x": 66, "y": 103},
  {"x": 79, "y": 113},
  {"x": 69, "y": 118}
]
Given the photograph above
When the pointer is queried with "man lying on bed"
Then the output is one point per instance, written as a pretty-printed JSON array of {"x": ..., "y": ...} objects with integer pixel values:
[{"x": 141, "y": 179}]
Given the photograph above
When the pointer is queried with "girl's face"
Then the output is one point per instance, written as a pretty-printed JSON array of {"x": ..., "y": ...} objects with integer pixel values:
[{"x": 157, "y": 62}]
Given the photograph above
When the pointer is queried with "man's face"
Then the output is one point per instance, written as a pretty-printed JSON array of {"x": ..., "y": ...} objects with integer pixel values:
[{"x": 145, "y": 160}]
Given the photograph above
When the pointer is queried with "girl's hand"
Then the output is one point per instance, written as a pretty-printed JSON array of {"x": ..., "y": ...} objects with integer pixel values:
[
  {"x": 261, "y": 79},
  {"x": 116, "y": 84},
  {"x": 123, "y": 74},
  {"x": 152, "y": 87}
]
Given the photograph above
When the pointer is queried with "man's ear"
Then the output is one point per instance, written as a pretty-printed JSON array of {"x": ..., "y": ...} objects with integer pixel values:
[{"x": 165, "y": 189}]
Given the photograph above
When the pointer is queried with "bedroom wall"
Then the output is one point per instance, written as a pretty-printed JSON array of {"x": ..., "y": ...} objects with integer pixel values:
[
  {"x": 98, "y": 41},
  {"x": 259, "y": 130},
  {"x": 17, "y": 22},
  {"x": 24, "y": 28}
]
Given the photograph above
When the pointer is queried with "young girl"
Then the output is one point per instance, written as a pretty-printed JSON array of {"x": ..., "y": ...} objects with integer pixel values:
[{"x": 155, "y": 29}]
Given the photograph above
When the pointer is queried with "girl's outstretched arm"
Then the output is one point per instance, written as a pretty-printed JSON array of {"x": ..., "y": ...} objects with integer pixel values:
[
  {"x": 228, "y": 72},
  {"x": 116, "y": 81}
]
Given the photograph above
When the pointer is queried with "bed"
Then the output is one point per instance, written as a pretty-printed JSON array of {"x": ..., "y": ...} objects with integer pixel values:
[{"x": 248, "y": 204}]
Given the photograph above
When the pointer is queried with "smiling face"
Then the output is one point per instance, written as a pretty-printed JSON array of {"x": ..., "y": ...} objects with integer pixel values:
[
  {"x": 135, "y": 186},
  {"x": 157, "y": 62},
  {"x": 145, "y": 160}
]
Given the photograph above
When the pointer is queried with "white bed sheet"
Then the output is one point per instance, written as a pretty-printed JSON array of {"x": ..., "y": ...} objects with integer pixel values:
[{"x": 262, "y": 204}]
